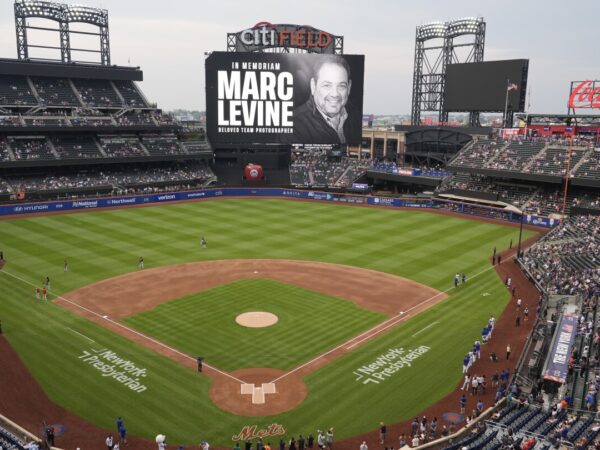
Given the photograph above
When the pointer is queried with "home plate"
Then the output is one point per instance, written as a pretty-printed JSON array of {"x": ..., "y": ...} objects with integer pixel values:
[{"x": 256, "y": 271}]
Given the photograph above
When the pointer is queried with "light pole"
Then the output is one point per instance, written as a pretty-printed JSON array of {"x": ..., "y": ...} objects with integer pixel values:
[{"x": 520, "y": 235}]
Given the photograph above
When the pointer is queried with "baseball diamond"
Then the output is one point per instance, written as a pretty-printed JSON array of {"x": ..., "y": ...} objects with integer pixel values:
[
  {"x": 388, "y": 282},
  {"x": 289, "y": 251}
]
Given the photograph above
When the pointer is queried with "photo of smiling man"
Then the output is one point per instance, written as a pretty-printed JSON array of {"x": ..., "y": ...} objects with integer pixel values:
[{"x": 327, "y": 117}]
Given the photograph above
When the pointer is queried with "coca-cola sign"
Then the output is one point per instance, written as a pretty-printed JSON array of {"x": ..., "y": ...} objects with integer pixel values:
[{"x": 585, "y": 94}]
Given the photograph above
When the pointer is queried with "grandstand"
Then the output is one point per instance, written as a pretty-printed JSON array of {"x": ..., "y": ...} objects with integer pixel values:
[
  {"x": 52, "y": 127},
  {"x": 81, "y": 130}
]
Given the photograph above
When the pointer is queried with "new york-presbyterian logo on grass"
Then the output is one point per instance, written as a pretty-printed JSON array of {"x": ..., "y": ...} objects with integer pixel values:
[
  {"x": 111, "y": 365},
  {"x": 387, "y": 364}
]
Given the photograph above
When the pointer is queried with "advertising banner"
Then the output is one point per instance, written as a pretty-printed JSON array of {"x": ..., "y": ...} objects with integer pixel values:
[
  {"x": 584, "y": 94},
  {"x": 557, "y": 366},
  {"x": 280, "y": 98},
  {"x": 56, "y": 206}
]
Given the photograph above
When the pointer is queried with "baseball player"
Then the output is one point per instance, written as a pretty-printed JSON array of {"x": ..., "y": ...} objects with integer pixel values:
[
  {"x": 466, "y": 361},
  {"x": 485, "y": 333},
  {"x": 48, "y": 283},
  {"x": 44, "y": 293},
  {"x": 66, "y": 266},
  {"x": 141, "y": 262},
  {"x": 203, "y": 242},
  {"x": 37, "y": 293},
  {"x": 466, "y": 383}
]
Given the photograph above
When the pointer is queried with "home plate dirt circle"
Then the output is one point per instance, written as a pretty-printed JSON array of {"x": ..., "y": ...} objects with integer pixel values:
[
  {"x": 257, "y": 319},
  {"x": 250, "y": 391},
  {"x": 258, "y": 395}
]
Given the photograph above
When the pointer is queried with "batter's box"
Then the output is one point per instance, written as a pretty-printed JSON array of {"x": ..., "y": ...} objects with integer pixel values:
[
  {"x": 247, "y": 388},
  {"x": 269, "y": 388}
]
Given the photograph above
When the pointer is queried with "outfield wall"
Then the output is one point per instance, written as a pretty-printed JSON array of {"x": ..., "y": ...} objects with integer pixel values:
[{"x": 433, "y": 203}]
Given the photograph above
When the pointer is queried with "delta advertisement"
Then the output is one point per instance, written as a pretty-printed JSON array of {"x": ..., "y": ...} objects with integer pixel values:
[
  {"x": 277, "y": 98},
  {"x": 32, "y": 208}
]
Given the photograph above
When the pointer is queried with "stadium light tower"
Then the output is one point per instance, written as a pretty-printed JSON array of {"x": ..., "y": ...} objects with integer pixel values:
[
  {"x": 63, "y": 15},
  {"x": 438, "y": 44}
]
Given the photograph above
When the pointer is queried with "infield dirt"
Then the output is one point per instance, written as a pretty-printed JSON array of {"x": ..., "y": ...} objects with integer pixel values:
[{"x": 108, "y": 301}]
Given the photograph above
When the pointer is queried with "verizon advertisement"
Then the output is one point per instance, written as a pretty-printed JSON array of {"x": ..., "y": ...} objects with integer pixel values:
[{"x": 274, "y": 98}]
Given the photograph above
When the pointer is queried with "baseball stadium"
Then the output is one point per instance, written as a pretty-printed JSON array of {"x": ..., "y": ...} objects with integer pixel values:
[{"x": 282, "y": 273}]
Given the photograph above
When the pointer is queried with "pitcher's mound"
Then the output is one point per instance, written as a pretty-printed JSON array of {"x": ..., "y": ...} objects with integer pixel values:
[{"x": 257, "y": 319}]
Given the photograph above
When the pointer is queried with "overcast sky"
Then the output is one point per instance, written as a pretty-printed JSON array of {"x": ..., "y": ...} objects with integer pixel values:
[{"x": 167, "y": 39}]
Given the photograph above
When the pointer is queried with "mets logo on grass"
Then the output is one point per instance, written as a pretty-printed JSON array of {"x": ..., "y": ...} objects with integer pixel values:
[{"x": 253, "y": 432}]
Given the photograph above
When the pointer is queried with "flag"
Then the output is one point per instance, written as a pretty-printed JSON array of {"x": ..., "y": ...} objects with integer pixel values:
[{"x": 512, "y": 87}]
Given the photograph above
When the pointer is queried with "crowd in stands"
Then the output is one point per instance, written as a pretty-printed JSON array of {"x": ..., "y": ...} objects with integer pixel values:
[
  {"x": 97, "y": 93},
  {"x": 316, "y": 169},
  {"x": 517, "y": 195},
  {"x": 567, "y": 260},
  {"x": 121, "y": 146},
  {"x": 4, "y": 155},
  {"x": 74, "y": 146},
  {"x": 535, "y": 156},
  {"x": 119, "y": 179},
  {"x": 590, "y": 166},
  {"x": 87, "y": 118},
  {"x": 545, "y": 203},
  {"x": 69, "y": 147},
  {"x": 474, "y": 155},
  {"x": 166, "y": 144},
  {"x": 9, "y": 441},
  {"x": 54, "y": 91},
  {"x": 62, "y": 92},
  {"x": 14, "y": 90},
  {"x": 553, "y": 161},
  {"x": 30, "y": 148},
  {"x": 586, "y": 201}
]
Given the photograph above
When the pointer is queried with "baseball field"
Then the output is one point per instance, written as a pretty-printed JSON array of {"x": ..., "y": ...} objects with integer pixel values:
[{"x": 369, "y": 325}]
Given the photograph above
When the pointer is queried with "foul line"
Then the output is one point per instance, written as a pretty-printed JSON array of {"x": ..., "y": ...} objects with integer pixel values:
[
  {"x": 82, "y": 335},
  {"x": 375, "y": 331},
  {"x": 423, "y": 329},
  {"x": 118, "y": 324},
  {"x": 351, "y": 343}
]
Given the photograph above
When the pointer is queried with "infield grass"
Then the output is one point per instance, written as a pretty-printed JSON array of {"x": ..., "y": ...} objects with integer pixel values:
[
  {"x": 204, "y": 324},
  {"x": 422, "y": 246}
]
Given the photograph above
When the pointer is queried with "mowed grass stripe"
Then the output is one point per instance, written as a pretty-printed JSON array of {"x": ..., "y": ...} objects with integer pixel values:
[
  {"x": 204, "y": 324},
  {"x": 417, "y": 245}
]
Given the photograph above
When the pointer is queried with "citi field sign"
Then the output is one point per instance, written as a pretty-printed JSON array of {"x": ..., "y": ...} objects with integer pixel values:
[
  {"x": 268, "y": 35},
  {"x": 585, "y": 94}
]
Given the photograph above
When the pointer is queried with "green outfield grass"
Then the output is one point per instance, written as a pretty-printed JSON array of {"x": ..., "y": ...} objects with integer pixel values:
[
  {"x": 426, "y": 247},
  {"x": 204, "y": 324}
]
